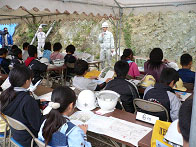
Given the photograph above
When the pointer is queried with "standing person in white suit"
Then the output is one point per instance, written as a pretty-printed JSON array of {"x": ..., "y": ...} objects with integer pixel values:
[
  {"x": 106, "y": 41},
  {"x": 41, "y": 37}
]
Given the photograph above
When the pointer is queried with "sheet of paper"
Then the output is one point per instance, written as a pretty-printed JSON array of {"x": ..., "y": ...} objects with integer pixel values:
[
  {"x": 184, "y": 97},
  {"x": 6, "y": 84},
  {"x": 46, "y": 96},
  {"x": 127, "y": 131},
  {"x": 33, "y": 87},
  {"x": 109, "y": 74}
]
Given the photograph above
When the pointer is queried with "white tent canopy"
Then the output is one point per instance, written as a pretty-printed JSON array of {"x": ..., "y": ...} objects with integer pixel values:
[{"x": 12, "y": 11}]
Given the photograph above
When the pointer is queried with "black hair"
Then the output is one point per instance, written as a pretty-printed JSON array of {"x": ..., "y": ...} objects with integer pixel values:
[
  {"x": 168, "y": 75},
  {"x": 57, "y": 46},
  {"x": 121, "y": 68},
  {"x": 80, "y": 67},
  {"x": 156, "y": 57},
  {"x": 54, "y": 120},
  {"x": 14, "y": 47},
  {"x": 70, "y": 48},
  {"x": 17, "y": 78},
  {"x": 16, "y": 52},
  {"x": 127, "y": 53},
  {"x": 47, "y": 46},
  {"x": 25, "y": 45},
  {"x": 32, "y": 50},
  {"x": 185, "y": 59},
  {"x": 3, "y": 51},
  {"x": 185, "y": 113}
]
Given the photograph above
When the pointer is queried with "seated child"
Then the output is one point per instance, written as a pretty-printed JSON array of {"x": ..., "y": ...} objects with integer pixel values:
[
  {"x": 133, "y": 68},
  {"x": 155, "y": 65},
  {"x": 60, "y": 131},
  {"x": 185, "y": 73},
  {"x": 36, "y": 66},
  {"x": 69, "y": 58},
  {"x": 25, "y": 54},
  {"x": 4, "y": 63},
  {"x": 82, "y": 83},
  {"x": 17, "y": 103},
  {"x": 184, "y": 122},
  {"x": 163, "y": 94},
  {"x": 127, "y": 90},
  {"x": 47, "y": 51},
  {"x": 10, "y": 52},
  {"x": 56, "y": 54},
  {"x": 17, "y": 57}
]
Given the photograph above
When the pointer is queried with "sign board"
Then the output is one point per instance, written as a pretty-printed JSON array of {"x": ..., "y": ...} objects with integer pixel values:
[{"x": 146, "y": 117}]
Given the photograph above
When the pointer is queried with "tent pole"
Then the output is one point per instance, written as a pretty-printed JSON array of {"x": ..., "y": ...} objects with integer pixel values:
[
  {"x": 192, "y": 140},
  {"x": 116, "y": 40},
  {"x": 120, "y": 25}
]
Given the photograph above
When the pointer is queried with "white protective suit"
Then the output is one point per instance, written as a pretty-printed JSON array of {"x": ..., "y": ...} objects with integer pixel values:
[
  {"x": 41, "y": 37},
  {"x": 106, "y": 43}
]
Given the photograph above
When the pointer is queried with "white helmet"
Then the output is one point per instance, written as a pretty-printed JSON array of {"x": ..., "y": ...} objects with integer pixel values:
[
  {"x": 44, "y": 60},
  {"x": 40, "y": 27},
  {"x": 173, "y": 135},
  {"x": 107, "y": 100},
  {"x": 86, "y": 100},
  {"x": 105, "y": 25}
]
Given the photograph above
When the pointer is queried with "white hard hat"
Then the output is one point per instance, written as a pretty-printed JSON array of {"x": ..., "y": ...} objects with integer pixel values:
[
  {"x": 107, "y": 100},
  {"x": 173, "y": 135},
  {"x": 40, "y": 27},
  {"x": 86, "y": 100},
  {"x": 44, "y": 60},
  {"x": 105, "y": 25}
]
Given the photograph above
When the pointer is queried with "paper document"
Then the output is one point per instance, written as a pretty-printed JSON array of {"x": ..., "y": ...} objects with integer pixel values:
[
  {"x": 109, "y": 74},
  {"x": 6, "y": 84},
  {"x": 46, "y": 96},
  {"x": 33, "y": 87}
]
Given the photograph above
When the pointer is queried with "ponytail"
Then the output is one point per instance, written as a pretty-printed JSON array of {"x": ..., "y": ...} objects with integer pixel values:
[
  {"x": 54, "y": 120},
  {"x": 64, "y": 96},
  {"x": 6, "y": 97}
]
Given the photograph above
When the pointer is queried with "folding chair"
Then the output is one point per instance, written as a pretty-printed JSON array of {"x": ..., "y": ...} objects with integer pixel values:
[
  {"x": 15, "y": 124},
  {"x": 69, "y": 75},
  {"x": 4, "y": 136},
  {"x": 40, "y": 143},
  {"x": 140, "y": 104}
]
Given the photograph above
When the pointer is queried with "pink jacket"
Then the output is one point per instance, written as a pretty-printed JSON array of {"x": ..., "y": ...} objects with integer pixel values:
[
  {"x": 133, "y": 69},
  {"x": 56, "y": 55}
]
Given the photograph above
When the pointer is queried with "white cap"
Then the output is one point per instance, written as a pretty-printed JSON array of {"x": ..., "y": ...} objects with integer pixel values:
[
  {"x": 86, "y": 100},
  {"x": 105, "y": 25},
  {"x": 40, "y": 27},
  {"x": 173, "y": 135}
]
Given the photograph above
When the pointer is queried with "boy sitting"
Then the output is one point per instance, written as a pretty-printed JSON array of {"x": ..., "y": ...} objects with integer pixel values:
[
  {"x": 127, "y": 90},
  {"x": 69, "y": 58},
  {"x": 4, "y": 63},
  {"x": 185, "y": 73},
  {"x": 17, "y": 57},
  {"x": 56, "y": 54},
  {"x": 163, "y": 94},
  {"x": 82, "y": 83},
  {"x": 184, "y": 122},
  {"x": 25, "y": 54},
  {"x": 37, "y": 67}
]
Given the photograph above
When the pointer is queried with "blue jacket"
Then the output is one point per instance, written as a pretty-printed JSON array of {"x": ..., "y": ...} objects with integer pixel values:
[
  {"x": 75, "y": 136},
  {"x": 47, "y": 54},
  {"x": 9, "y": 40},
  {"x": 187, "y": 75}
]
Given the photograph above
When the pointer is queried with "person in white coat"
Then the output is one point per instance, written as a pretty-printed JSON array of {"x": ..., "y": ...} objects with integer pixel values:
[
  {"x": 41, "y": 37},
  {"x": 106, "y": 41}
]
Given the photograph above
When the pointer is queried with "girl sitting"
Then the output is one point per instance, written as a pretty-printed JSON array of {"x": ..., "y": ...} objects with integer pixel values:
[
  {"x": 60, "y": 131},
  {"x": 133, "y": 68}
]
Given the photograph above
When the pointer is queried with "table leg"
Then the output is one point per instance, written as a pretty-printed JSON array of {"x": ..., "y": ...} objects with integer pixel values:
[{"x": 62, "y": 78}]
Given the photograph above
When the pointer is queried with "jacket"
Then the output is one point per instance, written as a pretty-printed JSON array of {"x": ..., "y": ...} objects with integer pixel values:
[
  {"x": 127, "y": 92},
  {"x": 5, "y": 65},
  {"x": 106, "y": 41},
  {"x": 75, "y": 136},
  {"x": 47, "y": 54},
  {"x": 9, "y": 39},
  {"x": 187, "y": 75},
  {"x": 25, "y": 109},
  {"x": 164, "y": 95},
  {"x": 37, "y": 67}
]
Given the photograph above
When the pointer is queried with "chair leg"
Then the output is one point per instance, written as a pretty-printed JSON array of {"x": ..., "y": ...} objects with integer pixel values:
[
  {"x": 32, "y": 143},
  {"x": 9, "y": 143}
]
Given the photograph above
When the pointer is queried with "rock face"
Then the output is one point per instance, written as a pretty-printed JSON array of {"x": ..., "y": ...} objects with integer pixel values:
[{"x": 173, "y": 32}]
